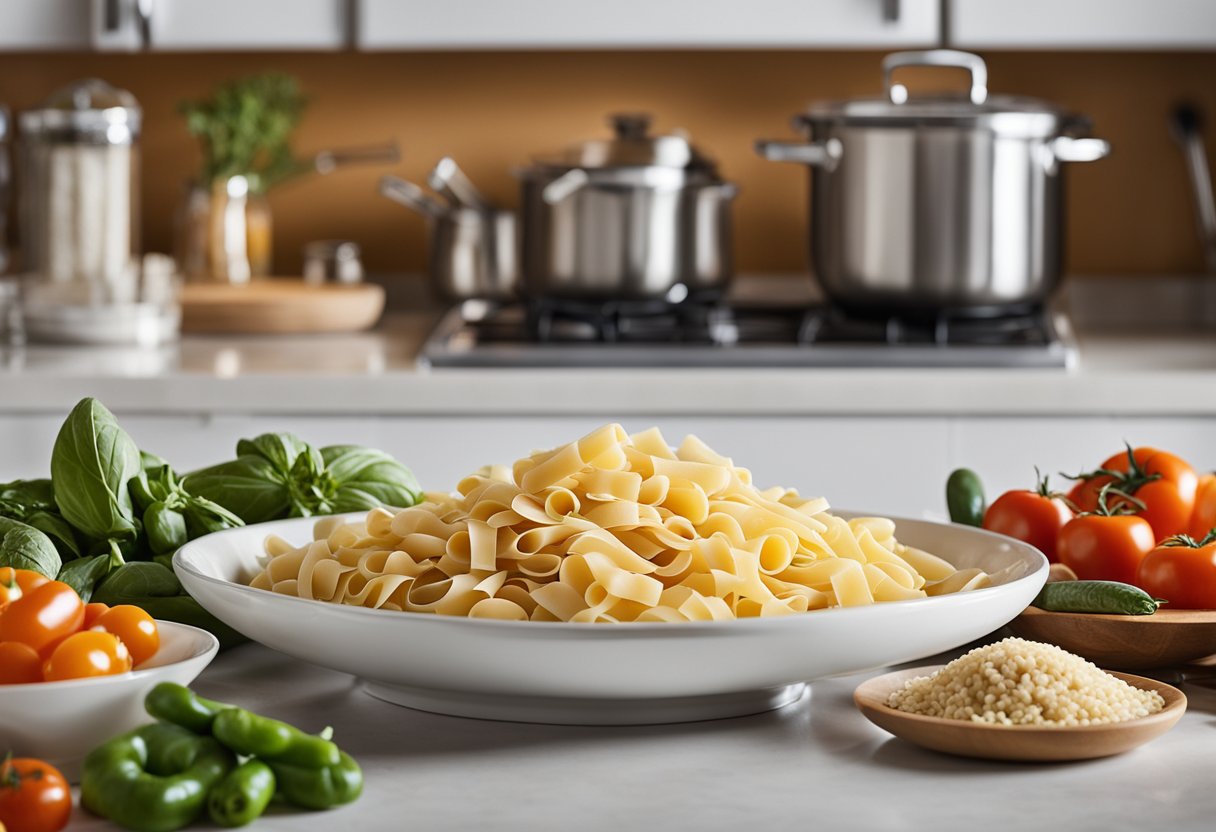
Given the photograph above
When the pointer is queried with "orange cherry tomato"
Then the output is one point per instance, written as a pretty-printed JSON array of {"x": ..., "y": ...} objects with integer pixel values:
[
  {"x": 20, "y": 664},
  {"x": 85, "y": 654},
  {"x": 16, "y": 582},
  {"x": 1030, "y": 516},
  {"x": 1165, "y": 483},
  {"x": 46, "y": 614},
  {"x": 134, "y": 628},
  {"x": 1183, "y": 572},
  {"x": 92, "y": 612},
  {"x": 1204, "y": 518},
  {"x": 1105, "y": 548},
  {"x": 34, "y": 796}
]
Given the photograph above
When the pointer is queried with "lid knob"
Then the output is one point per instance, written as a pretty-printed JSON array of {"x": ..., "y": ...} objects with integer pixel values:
[{"x": 630, "y": 126}]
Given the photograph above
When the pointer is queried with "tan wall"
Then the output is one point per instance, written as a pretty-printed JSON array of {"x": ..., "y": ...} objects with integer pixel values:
[{"x": 1129, "y": 214}]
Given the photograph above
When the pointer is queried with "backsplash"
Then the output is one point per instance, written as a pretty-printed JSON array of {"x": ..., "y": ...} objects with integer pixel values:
[{"x": 1129, "y": 214}]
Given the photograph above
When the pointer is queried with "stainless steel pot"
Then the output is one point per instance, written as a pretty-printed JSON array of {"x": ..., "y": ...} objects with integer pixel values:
[
  {"x": 474, "y": 252},
  {"x": 636, "y": 217},
  {"x": 931, "y": 203}
]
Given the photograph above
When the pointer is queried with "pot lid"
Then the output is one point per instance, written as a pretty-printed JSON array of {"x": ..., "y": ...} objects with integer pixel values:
[
  {"x": 90, "y": 110},
  {"x": 1006, "y": 114},
  {"x": 632, "y": 145}
]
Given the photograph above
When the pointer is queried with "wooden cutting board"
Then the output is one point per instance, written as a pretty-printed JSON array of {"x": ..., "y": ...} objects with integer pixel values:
[{"x": 280, "y": 306}]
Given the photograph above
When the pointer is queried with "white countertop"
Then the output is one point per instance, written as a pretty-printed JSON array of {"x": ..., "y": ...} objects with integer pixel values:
[
  {"x": 817, "y": 764},
  {"x": 1122, "y": 372}
]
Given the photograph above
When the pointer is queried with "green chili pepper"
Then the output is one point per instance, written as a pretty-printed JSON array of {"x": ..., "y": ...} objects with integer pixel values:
[
  {"x": 965, "y": 497},
  {"x": 153, "y": 779},
  {"x": 251, "y": 735},
  {"x": 181, "y": 706},
  {"x": 242, "y": 796},
  {"x": 319, "y": 788}
]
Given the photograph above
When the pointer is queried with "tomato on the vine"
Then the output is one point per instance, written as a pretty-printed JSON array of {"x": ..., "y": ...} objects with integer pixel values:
[
  {"x": 1182, "y": 571},
  {"x": 1105, "y": 547},
  {"x": 43, "y": 616},
  {"x": 1164, "y": 483},
  {"x": 1034, "y": 517},
  {"x": 34, "y": 796},
  {"x": 1203, "y": 520},
  {"x": 134, "y": 628}
]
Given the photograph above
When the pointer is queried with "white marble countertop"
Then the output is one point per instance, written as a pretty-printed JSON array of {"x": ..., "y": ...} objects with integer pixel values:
[
  {"x": 815, "y": 764},
  {"x": 1123, "y": 371}
]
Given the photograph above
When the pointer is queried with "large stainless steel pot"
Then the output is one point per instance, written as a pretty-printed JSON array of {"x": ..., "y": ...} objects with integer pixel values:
[
  {"x": 637, "y": 217},
  {"x": 932, "y": 203}
]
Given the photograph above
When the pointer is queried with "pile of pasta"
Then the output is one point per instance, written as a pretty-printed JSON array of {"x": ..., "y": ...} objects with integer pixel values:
[{"x": 610, "y": 528}]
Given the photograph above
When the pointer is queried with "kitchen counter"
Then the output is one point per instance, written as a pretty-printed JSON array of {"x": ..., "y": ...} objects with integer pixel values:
[
  {"x": 815, "y": 764},
  {"x": 1125, "y": 369}
]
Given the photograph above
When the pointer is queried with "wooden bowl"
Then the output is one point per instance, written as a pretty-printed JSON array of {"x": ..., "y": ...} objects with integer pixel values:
[
  {"x": 280, "y": 306},
  {"x": 1128, "y": 642},
  {"x": 1016, "y": 742}
]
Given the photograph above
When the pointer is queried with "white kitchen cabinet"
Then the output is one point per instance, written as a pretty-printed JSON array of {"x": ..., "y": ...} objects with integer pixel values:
[
  {"x": 27, "y": 25},
  {"x": 1082, "y": 24},
  {"x": 248, "y": 25},
  {"x": 628, "y": 24}
]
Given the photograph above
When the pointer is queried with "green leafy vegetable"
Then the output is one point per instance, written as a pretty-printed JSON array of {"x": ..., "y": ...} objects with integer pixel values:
[
  {"x": 83, "y": 574},
  {"x": 365, "y": 478},
  {"x": 248, "y": 486},
  {"x": 92, "y": 462},
  {"x": 24, "y": 547},
  {"x": 156, "y": 589},
  {"x": 33, "y": 503}
]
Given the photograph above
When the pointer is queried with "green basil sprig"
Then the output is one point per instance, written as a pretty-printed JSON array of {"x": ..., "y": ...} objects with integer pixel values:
[
  {"x": 91, "y": 465},
  {"x": 33, "y": 502},
  {"x": 24, "y": 547}
]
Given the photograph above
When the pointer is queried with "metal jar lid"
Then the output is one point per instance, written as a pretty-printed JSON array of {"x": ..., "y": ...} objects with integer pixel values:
[
  {"x": 86, "y": 112},
  {"x": 1005, "y": 115},
  {"x": 631, "y": 146}
]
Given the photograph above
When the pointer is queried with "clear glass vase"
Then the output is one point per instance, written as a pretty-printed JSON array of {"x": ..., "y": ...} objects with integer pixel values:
[{"x": 224, "y": 232}]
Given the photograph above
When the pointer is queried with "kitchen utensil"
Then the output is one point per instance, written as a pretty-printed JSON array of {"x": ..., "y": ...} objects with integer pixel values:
[
  {"x": 630, "y": 673},
  {"x": 327, "y": 161},
  {"x": 280, "y": 305},
  {"x": 61, "y": 722},
  {"x": 1187, "y": 127},
  {"x": 332, "y": 261},
  {"x": 1129, "y": 642},
  {"x": 634, "y": 217},
  {"x": 1025, "y": 743},
  {"x": 449, "y": 180},
  {"x": 473, "y": 252},
  {"x": 920, "y": 204},
  {"x": 79, "y": 217}
]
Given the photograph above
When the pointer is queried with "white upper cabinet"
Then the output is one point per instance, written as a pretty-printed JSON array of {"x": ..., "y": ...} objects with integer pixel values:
[
  {"x": 27, "y": 25},
  {"x": 644, "y": 24},
  {"x": 211, "y": 25},
  {"x": 1082, "y": 24}
]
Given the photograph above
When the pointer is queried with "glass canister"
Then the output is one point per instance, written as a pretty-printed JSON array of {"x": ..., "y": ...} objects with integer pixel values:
[{"x": 78, "y": 167}]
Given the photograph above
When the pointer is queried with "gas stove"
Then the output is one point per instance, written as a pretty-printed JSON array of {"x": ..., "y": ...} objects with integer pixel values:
[{"x": 739, "y": 333}]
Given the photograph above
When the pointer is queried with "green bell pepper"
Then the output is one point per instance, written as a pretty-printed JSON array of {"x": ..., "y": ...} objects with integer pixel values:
[
  {"x": 251, "y": 735},
  {"x": 319, "y": 788},
  {"x": 153, "y": 779},
  {"x": 242, "y": 796}
]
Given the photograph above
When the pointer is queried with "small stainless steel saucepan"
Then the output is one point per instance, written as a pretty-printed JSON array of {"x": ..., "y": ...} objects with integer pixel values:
[
  {"x": 474, "y": 250},
  {"x": 925, "y": 204}
]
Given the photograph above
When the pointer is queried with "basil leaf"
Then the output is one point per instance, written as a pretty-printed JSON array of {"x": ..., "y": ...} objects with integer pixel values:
[
  {"x": 24, "y": 547},
  {"x": 83, "y": 574},
  {"x": 248, "y": 486},
  {"x": 165, "y": 528},
  {"x": 156, "y": 589},
  {"x": 91, "y": 465},
  {"x": 364, "y": 478},
  {"x": 29, "y": 495},
  {"x": 279, "y": 449},
  {"x": 60, "y": 532}
]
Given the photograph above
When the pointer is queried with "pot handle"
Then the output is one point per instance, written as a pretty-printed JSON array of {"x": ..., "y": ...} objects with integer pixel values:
[
  {"x": 818, "y": 154},
  {"x": 973, "y": 63},
  {"x": 1072, "y": 149},
  {"x": 565, "y": 185}
]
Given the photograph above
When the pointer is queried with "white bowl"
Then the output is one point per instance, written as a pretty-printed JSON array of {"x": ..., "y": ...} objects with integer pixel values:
[
  {"x": 61, "y": 722},
  {"x": 633, "y": 673}
]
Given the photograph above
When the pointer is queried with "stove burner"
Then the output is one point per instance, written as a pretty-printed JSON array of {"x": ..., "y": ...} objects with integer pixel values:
[{"x": 609, "y": 322}]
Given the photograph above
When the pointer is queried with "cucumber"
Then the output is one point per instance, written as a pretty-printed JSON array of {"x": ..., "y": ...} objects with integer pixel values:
[
  {"x": 1108, "y": 597},
  {"x": 965, "y": 497}
]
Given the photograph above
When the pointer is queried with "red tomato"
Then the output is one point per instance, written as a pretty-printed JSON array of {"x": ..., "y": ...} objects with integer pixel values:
[
  {"x": 1029, "y": 516},
  {"x": 1166, "y": 485},
  {"x": 16, "y": 582},
  {"x": 34, "y": 797},
  {"x": 43, "y": 616},
  {"x": 1105, "y": 548},
  {"x": 1182, "y": 572},
  {"x": 19, "y": 664},
  {"x": 1204, "y": 518},
  {"x": 85, "y": 654},
  {"x": 134, "y": 628}
]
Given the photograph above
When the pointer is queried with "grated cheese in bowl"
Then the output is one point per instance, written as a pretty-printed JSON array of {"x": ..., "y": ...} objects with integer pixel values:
[{"x": 1019, "y": 682}]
